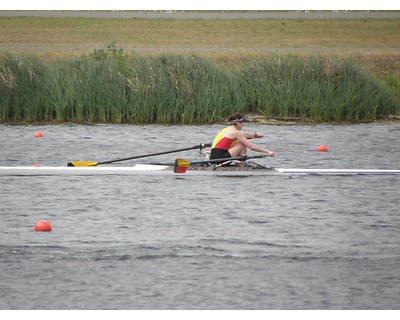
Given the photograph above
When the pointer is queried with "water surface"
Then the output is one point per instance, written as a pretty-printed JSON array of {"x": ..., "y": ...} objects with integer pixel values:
[{"x": 192, "y": 242}]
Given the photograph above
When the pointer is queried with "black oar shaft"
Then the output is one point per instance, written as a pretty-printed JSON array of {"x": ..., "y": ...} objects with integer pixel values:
[{"x": 198, "y": 146}]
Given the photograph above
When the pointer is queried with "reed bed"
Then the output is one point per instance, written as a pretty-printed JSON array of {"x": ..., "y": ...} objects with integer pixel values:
[
  {"x": 317, "y": 88},
  {"x": 110, "y": 86}
]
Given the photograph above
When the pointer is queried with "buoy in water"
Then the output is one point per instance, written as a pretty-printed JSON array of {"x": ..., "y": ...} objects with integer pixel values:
[
  {"x": 38, "y": 134},
  {"x": 322, "y": 148},
  {"x": 43, "y": 225},
  {"x": 36, "y": 165}
]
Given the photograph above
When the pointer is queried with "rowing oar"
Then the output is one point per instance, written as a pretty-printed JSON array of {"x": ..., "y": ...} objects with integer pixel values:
[
  {"x": 181, "y": 165},
  {"x": 93, "y": 164}
]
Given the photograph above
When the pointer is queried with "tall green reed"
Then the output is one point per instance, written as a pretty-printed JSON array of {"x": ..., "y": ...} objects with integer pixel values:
[
  {"x": 319, "y": 88},
  {"x": 23, "y": 89},
  {"x": 115, "y": 87}
]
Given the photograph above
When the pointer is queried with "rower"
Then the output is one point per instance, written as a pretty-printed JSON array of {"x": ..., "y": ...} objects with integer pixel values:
[{"x": 231, "y": 141}]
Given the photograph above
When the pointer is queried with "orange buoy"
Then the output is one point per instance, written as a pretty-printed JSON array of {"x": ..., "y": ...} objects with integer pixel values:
[
  {"x": 38, "y": 134},
  {"x": 322, "y": 148},
  {"x": 43, "y": 225},
  {"x": 36, "y": 165}
]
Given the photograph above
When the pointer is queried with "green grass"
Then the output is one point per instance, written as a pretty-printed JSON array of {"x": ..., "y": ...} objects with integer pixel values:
[
  {"x": 393, "y": 82},
  {"x": 317, "y": 88},
  {"x": 111, "y": 86}
]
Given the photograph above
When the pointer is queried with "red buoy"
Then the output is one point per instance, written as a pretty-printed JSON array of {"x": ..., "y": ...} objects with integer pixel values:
[
  {"x": 43, "y": 225},
  {"x": 322, "y": 148},
  {"x": 38, "y": 134}
]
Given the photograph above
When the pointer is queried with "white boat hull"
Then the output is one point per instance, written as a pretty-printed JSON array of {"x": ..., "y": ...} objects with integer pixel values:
[
  {"x": 85, "y": 171},
  {"x": 337, "y": 171},
  {"x": 151, "y": 169}
]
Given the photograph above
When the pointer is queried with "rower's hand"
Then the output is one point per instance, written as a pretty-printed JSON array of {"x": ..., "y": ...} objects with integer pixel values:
[{"x": 271, "y": 153}]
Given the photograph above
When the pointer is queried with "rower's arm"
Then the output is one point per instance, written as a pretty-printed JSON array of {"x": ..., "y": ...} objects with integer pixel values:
[
  {"x": 241, "y": 137},
  {"x": 252, "y": 135}
]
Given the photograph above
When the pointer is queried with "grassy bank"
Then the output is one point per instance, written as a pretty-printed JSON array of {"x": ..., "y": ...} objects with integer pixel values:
[
  {"x": 116, "y": 87},
  {"x": 374, "y": 42},
  {"x": 322, "y": 70},
  {"x": 170, "y": 33}
]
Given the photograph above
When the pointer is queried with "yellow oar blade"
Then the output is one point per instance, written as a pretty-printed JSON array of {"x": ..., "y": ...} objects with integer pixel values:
[
  {"x": 181, "y": 165},
  {"x": 82, "y": 164}
]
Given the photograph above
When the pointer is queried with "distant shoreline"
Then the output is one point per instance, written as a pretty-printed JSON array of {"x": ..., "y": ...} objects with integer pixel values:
[{"x": 199, "y": 15}]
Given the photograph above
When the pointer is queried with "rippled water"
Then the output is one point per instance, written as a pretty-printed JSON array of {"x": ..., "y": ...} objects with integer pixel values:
[{"x": 193, "y": 242}]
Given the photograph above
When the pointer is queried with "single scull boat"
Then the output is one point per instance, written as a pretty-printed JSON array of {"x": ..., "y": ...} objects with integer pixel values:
[
  {"x": 239, "y": 166},
  {"x": 238, "y": 169}
]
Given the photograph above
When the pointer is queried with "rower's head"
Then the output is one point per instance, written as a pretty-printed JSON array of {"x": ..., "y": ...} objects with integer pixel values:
[{"x": 237, "y": 118}]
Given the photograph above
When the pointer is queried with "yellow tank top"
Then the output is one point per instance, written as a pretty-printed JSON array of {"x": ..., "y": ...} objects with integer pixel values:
[{"x": 222, "y": 142}]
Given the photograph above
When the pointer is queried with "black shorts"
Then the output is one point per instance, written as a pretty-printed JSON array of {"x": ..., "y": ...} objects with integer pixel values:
[{"x": 217, "y": 153}]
